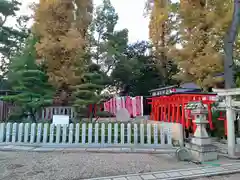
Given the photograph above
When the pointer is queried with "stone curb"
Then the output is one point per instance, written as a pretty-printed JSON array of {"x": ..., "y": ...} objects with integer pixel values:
[
  {"x": 83, "y": 149},
  {"x": 190, "y": 173}
]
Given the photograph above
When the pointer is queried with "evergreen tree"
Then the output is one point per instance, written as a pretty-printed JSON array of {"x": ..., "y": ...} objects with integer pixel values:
[
  {"x": 89, "y": 89},
  {"x": 11, "y": 38},
  {"x": 30, "y": 82}
]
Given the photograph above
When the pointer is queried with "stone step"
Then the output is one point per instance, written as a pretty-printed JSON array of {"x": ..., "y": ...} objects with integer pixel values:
[{"x": 179, "y": 174}]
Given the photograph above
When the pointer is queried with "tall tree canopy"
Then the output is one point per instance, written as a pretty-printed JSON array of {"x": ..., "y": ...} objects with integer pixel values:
[
  {"x": 163, "y": 23},
  {"x": 62, "y": 28},
  {"x": 11, "y": 38},
  {"x": 200, "y": 26},
  {"x": 108, "y": 44},
  {"x": 136, "y": 73}
]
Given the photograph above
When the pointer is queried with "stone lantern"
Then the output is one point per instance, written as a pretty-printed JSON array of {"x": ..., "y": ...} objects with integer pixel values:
[{"x": 200, "y": 146}]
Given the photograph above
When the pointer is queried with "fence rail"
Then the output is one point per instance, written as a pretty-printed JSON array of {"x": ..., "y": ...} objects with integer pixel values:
[{"x": 86, "y": 134}]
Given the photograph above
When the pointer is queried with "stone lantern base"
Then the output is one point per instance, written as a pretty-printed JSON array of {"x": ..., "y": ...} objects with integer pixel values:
[{"x": 203, "y": 152}]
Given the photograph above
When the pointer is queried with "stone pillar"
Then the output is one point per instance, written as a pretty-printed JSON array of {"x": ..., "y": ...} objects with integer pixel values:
[
  {"x": 200, "y": 146},
  {"x": 230, "y": 126}
]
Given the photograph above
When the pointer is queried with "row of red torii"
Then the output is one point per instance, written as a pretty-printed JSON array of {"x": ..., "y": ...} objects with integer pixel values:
[{"x": 169, "y": 108}]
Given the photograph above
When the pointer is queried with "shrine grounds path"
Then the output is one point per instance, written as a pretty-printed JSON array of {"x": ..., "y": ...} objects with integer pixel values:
[{"x": 83, "y": 165}]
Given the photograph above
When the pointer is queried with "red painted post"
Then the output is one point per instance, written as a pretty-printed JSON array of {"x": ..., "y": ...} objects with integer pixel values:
[
  {"x": 169, "y": 112},
  {"x": 173, "y": 113}
]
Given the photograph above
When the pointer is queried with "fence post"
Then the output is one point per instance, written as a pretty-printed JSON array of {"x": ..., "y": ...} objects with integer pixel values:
[
  {"x": 90, "y": 133},
  {"x": 45, "y": 133},
  {"x": 58, "y": 133},
  {"x": 64, "y": 134},
  {"x": 2, "y": 132},
  {"x": 109, "y": 133},
  {"x": 84, "y": 133},
  {"x": 26, "y": 132},
  {"x": 149, "y": 134},
  {"x": 14, "y": 132},
  {"x": 33, "y": 133},
  {"x": 135, "y": 131},
  {"x": 96, "y": 133},
  {"x": 155, "y": 134},
  {"x": 39, "y": 132},
  {"x": 103, "y": 133},
  {"x": 142, "y": 134},
  {"x": 115, "y": 133},
  {"x": 129, "y": 133},
  {"x": 52, "y": 130},
  {"x": 20, "y": 132},
  {"x": 8, "y": 132},
  {"x": 122, "y": 133},
  {"x": 169, "y": 136},
  {"x": 77, "y": 133},
  {"x": 162, "y": 136},
  {"x": 70, "y": 135}
]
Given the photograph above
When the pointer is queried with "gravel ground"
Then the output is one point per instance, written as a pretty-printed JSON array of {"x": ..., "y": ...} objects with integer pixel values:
[
  {"x": 79, "y": 165},
  {"x": 76, "y": 165}
]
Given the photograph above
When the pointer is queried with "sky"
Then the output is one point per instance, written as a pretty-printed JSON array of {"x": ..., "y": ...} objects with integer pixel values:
[{"x": 130, "y": 16}]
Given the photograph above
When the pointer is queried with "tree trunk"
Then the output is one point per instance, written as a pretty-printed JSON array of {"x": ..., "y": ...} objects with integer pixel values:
[{"x": 229, "y": 45}]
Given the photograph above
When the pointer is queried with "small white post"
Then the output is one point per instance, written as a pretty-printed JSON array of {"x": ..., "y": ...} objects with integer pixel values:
[
  {"x": 33, "y": 132},
  {"x": 39, "y": 133},
  {"x": 70, "y": 135},
  {"x": 45, "y": 133},
  {"x": 64, "y": 134},
  {"x": 162, "y": 136},
  {"x": 129, "y": 133},
  {"x": 26, "y": 132},
  {"x": 96, "y": 133},
  {"x": 77, "y": 133},
  {"x": 103, "y": 133},
  {"x": 155, "y": 131},
  {"x": 52, "y": 130},
  {"x": 142, "y": 134},
  {"x": 115, "y": 133},
  {"x": 90, "y": 133},
  {"x": 109, "y": 133},
  {"x": 20, "y": 132},
  {"x": 14, "y": 132},
  {"x": 84, "y": 133},
  {"x": 2, "y": 132},
  {"x": 169, "y": 136},
  {"x": 122, "y": 133},
  {"x": 149, "y": 135},
  {"x": 58, "y": 133},
  {"x": 8, "y": 132},
  {"x": 135, "y": 131}
]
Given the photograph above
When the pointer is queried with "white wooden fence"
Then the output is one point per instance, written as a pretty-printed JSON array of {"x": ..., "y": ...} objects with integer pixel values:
[{"x": 101, "y": 134}]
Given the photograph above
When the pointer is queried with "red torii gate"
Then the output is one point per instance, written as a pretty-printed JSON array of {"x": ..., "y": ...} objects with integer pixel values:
[{"x": 171, "y": 108}]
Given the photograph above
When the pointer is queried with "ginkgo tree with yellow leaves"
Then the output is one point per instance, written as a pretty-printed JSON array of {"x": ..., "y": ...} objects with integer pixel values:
[
  {"x": 201, "y": 26},
  {"x": 62, "y": 29},
  {"x": 163, "y": 23}
]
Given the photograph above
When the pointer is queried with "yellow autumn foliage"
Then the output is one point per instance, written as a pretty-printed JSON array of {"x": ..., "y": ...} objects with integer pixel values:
[
  {"x": 201, "y": 27},
  {"x": 61, "y": 27},
  {"x": 160, "y": 28}
]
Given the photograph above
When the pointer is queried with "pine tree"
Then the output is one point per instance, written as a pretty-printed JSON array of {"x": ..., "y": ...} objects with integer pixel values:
[
  {"x": 89, "y": 89},
  {"x": 29, "y": 81}
]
